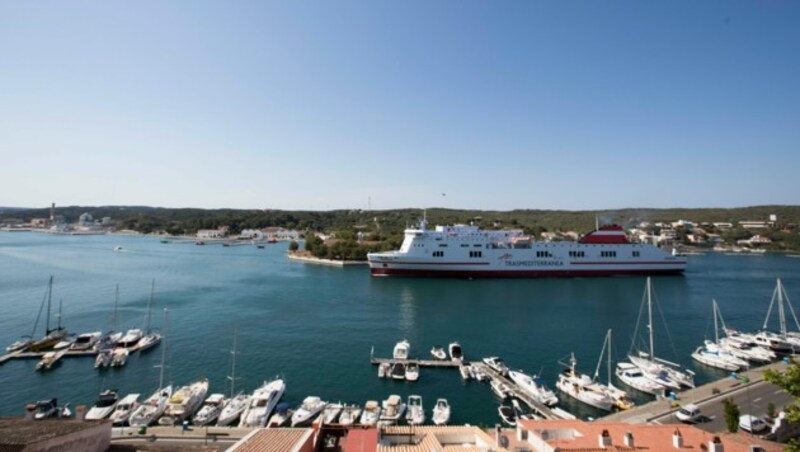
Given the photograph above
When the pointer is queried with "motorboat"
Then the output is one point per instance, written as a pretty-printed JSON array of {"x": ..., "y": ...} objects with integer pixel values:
[
  {"x": 233, "y": 409},
  {"x": 86, "y": 341},
  {"x": 534, "y": 386},
  {"x": 210, "y": 410},
  {"x": 184, "y": 402},
  {"x": 350, "y": 414},
  {"x": 50, "y": 359},
  {"x": 464, "y": 370},
  {"x": 371, "y": 413},
  {"x": 398, "y": 371},
  {"x": 103, "y": 358},
  {"x": 401, "y": 350},
  {"x": 149, "y": 341},
  {"x": 282, "y": 416},
  {"x": 131, "y": 338},
  {"x": 151, "y": 409},
  {"x": 711, "y": 355},
  {"x": 393, "y": 410},
  {"x": 384, "y": 370},
  {"x": 500, "y": 389},
  {"x": 773, "y": 341},
  {"x": 508, "y": 415},
  {"x": 105, "y": 405},
  {"x": 412, "y": 372},
  {"x": 632, "y": 376},
  {"x": 118, "y": 248},
  {"x": 119, "y": 357},
  {"x": 497, "y": 365},
  {"x": 65, "y": 343},
  {"x": 438, "y": 353},
  {"x": 262, "y": 402},
  {"x": 331, "y": 412},
  {"x": 456, "y": 353},
  {"x": 124, "y": 409},
  {"x": 49, "y": 408},
  {"x": 747, "y": 350},
  {"x": 19, "y": 345},
  {"x": 581, "y": 387},
  {"x": 441, "y": 412},
  {"x": 415, "y": 414},
  {"x": 307, "y": 411}
]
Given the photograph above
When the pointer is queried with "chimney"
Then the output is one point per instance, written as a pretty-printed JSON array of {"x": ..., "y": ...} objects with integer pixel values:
[
  {"x": 628, "y": 440},
  {"x": 80, "y": 412},
  {"x": 715, "y": 445},
  {"x": 604, "y": 440},
  {"x": 677, "y": 439}
]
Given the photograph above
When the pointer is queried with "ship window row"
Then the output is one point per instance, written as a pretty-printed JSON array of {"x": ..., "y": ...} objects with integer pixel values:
[
  {"x": 477, "y": 245},
  {"x": 577, "y": 254},
  {"x": 465, "y": 245},
  {"x": 544, "y": 254},
  {"x": 608, "y": 254},
  {"x": 438, "y": 254},
  {"x": 635, "y": 254},
  {"x": 443, "y": 245},
  {"x": 475, "y": 254}
]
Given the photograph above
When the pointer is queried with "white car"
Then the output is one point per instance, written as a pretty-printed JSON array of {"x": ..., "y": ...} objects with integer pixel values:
[
  {"x": 752, "y": 424},
  {"x": 688, "y": 413}
]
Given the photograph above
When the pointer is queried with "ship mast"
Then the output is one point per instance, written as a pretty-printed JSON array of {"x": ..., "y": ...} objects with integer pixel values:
[
  {"x": 49, "y": 303},
  {"x": 650, "y": 321}
]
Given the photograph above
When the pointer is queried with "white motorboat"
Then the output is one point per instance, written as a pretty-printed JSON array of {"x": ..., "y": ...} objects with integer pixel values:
[
  {"x": 210, "y": 410},
  {"x": 441, "y": 412},
  {"x": 184, "y": 402},
  {"x": 282, "y": 416},
  {"x": 350, "y": 415},
  {"x": 103, "y": 358},
  {"x": 155, "y": 405},
  {"x": 415, "y": 414},
  {"x": 233, "y": 409},
  {"x": 49, "y": 408},
  {"x": 331, "y": 412},
  {"x": 464, "y": 370},
  {"x": 384, "y": 370},
  {"x": 371, "y": 413},
  {"x": 412, "y": 372},
  {"x": 119, "y": 357},
  {"x": 497, "y": 365},
  {"x": 262, "y": 402},
  {"x": 131, "y": 338},
  {"x": 508, "y": 415},
  {"x": 393, "y": 410},
  {"x": 401, "y": 350},
  {"x": 50, "y": 359},
  {"x": 118, "y": 248},
  {"x": 456, "y": 354},
  {"x": 773, "y": 342},
  {"x": 19, "y": 345},
  {"x": 581, "y": 387},
  {"x": 632, "y": 376},
  {"x": 500, "y": 389},
  {"x": 105, "y": 405},
  {"x": 86, "y": 341},
  {"x": 534, "y": 387},
  {"x": 310, "y": 408},
  {"x": 438, "y": 353},
  {"x": 398, "y": 371},
  {"x": 747, "y": 350},
  {"x": 65, "y": 343},
  {"x": 124, "y": 409}
]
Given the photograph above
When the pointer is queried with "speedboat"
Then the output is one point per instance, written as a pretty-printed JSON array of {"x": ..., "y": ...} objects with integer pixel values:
[
  {"x": 500, "y": 389},
  {"x": 393, "y": 410},
  {"x": 49, "y": 408},
  {"x": 384, "y": 370},
  {"x": 399, "y": 371},
  {"x": 310, "y": 408},
  {"x": 50, "y": 359},
  {"x": 633, "y": 377},
  {"x": 105, "y": 405},
  {"x": 441, "y": 412},
  {"x": 86, "y": 341},
  {"x": 331, "y": 412},
  {"x": 131, "y": 338},
  {"x": 210, "y": 410},
  {"x": 262, "y": 402},
  {"x": 497, "y": 365},
  {"x": 283, "y": 414},
  {"x": 508, "y": 415},
  {"x": 124, "y": 409},
  {"x": 233, "y": 409},
  {"x": 20, "y": 344},
  {"x": 184, "y": 402},
  {"x": 401, "y": 350},
  {"x": 455, "y": 351},
  {"x": 118, "y": 248},
  {"x": 119, "y": 357},
  {"x": 415, "y": 414},
  {"x": 534, "y": 387},
  {"x": 465, "y": 372},
  {"x": 350, "y": 414},
  {"x": 438, "y": 353},
  {"x": 151, "y": 409},
  {"x": 371, "y": 413},
  {"x": 412, "y": 372}
]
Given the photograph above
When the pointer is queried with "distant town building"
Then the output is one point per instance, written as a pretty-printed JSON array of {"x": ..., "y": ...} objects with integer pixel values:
[
  {"x": 755, "y": 240},
  {"x": 40, "y": 222},
  {"x": 754, "y": 224},
  {"x": 280, "y": 234},
  {"x": 85, "y": 219},
  {"x": 107, "y": 221},
  {"x": 683, "y": 224},
  {"x": 212, "y": 233},
  {"x": 251, "y": 234},
  {"x": 723, "y": 226}
]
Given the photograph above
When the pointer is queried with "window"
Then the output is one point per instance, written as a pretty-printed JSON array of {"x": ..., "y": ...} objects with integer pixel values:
[
  {"x": 577, "y": 254},
  {"x": 543, "y": 254},
  {"x": 438, "y": 254},
  {"x": 608, "y": 254},
  {"x": 477, "y": 245},
  {"x": 476, "y": 254},
  {"x": 635, "y": 254},
  {"x": 465, "y": 245}
]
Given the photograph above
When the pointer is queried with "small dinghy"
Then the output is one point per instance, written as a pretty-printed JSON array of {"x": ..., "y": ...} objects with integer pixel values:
[
  {"x": 438, "y": 353},
  {"x": 412, "y": 372}
]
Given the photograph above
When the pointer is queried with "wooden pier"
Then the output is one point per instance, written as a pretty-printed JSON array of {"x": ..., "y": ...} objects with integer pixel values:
[
  {"x": 420, "y": 362},
  {"x": 39, "y": 355}
]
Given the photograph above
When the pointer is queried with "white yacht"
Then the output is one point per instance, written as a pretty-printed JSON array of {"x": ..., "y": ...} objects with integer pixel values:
[
  {"x": 412, "y": 372},
  {"x": 415, "y": 414},
  {"x": 184, "y": 402},
  {"x": 282, "y": 416},
  {"x": 124, "y": 409},
  {"x": 50, "y": 359},
  {"x": 233, "y": 409},
  {"x": 401, "y": 350},
  {"x": 456, "y": 354},
  {"x": 438, "y": 353},
  {"x": 441, "y": 412},
  {"x": 331, "y": 412},
  {"x": 746, "y": 350},
  {"x": 582, "y": 388},
  {"x": 371, "y": 413},
  {"x": 119, "y": 357},
  {"x": 131, "y": 338},
  {"x": 310, "y": 408},
  {"x": 20, "y": 344},
  {"x": 534, "y": 387},
  {"x": 210, "y": 410},
  {"x": 711, "y": 355},
  {"x": 508, "y": 415},
  {"x": 151, "y": 409},
  {"x": 497, "y": 365},
  {"x": 262, "y": 402},
  {"x": 104, "y": 406},
  {"x": 66, "y": 342},
  {"x": 393, "y": 410},
  {"x": 633, "y": 377},
  {"x": 86, "y": 341},
  {"x": 350, "y": 414}
]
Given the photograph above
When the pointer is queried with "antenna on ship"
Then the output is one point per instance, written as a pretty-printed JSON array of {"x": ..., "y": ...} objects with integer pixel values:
[
  {"x": 424, "y": 224},
  {"x": 596, "y": 223}
]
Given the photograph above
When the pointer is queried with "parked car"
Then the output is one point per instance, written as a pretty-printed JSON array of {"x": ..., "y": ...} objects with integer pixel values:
[
  {"x": 689, "y": 413},
  {"x": 752, "y": 424}
]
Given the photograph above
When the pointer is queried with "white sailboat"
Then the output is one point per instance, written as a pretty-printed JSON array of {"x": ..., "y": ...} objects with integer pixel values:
[
  {"x": 711, "y": 354},
  {"x": 659, "y": 370},
  {"x": 619, "y": 396},
  {"x": 238, "y": 402},
  {"x": 534, "y": 387},
  {"x": 210, "y": 410},
  {"x": 783, "y": 341},
  {"x": 581, "y": 387},
  {"x": 151, "y": 336},
  {"x": 262, "y": 402},
  {"x": 152, "y": 408}
]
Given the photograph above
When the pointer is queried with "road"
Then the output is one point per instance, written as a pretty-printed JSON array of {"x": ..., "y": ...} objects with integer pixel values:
[{"x": 751, "y": 399}]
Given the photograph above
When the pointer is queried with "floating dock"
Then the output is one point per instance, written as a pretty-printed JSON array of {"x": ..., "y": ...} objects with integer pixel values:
[{"x": 39, "y": 355}]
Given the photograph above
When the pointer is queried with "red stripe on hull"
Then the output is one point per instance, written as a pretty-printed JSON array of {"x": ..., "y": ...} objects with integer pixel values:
[{"x": 517, "y": 273}]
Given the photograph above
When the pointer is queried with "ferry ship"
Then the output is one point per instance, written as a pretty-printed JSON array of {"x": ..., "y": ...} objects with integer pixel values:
[{"x": 467, "y": 251}]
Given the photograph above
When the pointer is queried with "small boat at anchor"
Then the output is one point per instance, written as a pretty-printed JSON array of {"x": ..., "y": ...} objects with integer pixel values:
[
  {"x": 441, "y": 412},
  {"x": 438, "y": 353},
  {"x": 105, "y": 405}
]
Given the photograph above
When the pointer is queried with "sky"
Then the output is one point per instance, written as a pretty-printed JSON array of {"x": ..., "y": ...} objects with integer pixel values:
[{"x": 389, "y": 104}]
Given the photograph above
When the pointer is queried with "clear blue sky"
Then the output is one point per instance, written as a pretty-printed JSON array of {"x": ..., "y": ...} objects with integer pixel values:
[{"x": 320, "y": 105}]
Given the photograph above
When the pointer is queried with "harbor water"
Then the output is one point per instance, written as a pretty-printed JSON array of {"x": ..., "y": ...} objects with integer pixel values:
[{"x": 315, "y": 325}]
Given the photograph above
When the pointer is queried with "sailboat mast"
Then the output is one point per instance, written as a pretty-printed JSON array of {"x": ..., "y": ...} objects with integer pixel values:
[
  {"x": 163, "y": 350},
  {"x": 60, "y": 304},
  {"x": 116, "y": 308},
  {"x": 609, "y": 357},
  {"x": 149, "y": 307},
  {"x": 49, "y": 302},
  {"x": 716, "y": 327},
  {"x": 232, "y": 377},
  {"x": 781, "y": 312},
  {"x": 650, "y": 321}
]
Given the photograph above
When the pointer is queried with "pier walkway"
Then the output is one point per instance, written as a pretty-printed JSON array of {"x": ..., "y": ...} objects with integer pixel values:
[{"x": 39, "y": 355}]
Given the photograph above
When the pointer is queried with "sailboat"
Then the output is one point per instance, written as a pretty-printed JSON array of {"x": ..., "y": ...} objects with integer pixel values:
[
  {"x": 582, "y": 388},
  {"x": 152, "y": 408},
  {"x": 783, "y": 341},
  {"x": 51, "y": 337},
  {"x": 237, "y": 403},
  {"x": 659, "y": 370},
  {"x": 151, "y": 337},
  {"x": 713, "y": 355},
  {"x": 25, "y": 341},
  {"x": 742, "y": 345},
  {"x": 620, "y": 397}
]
